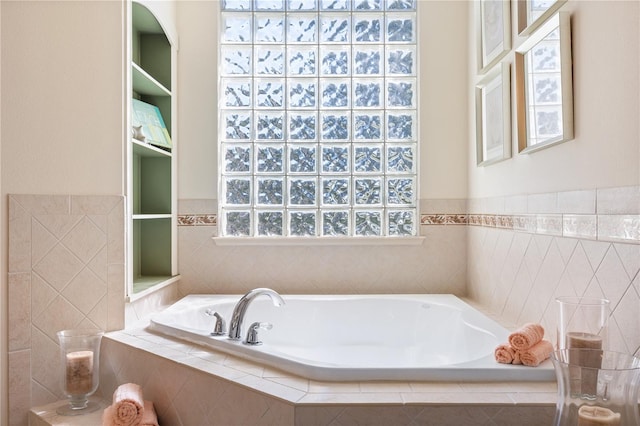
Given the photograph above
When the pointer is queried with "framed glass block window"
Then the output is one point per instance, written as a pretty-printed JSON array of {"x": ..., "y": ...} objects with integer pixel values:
[{"x": 318, "y": 118}]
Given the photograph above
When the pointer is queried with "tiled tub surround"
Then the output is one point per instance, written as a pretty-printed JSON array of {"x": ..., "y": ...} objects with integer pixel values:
[
  {"x": 515, "y": 273},
  {"x": 66, "y": 270},
  {"x": 193, "y": 386}
]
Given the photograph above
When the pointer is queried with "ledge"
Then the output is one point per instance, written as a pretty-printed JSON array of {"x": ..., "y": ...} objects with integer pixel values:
[{"x": 319, "y": 241}]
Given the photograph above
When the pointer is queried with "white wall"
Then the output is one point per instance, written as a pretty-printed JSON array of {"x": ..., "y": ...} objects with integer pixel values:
[
  {"x": 62, "y": 86},
  {"x": 443, "y": 99},
  {"x": 606, "y": 148}
]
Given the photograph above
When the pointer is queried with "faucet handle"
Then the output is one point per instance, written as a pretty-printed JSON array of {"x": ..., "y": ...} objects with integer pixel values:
[
  {"x": 252, "y": 334},
  {"x": 219, "y": 327}
]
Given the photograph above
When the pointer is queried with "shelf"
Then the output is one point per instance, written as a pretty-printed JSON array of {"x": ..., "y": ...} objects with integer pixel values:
[
  {"x": 145, "y": 84},
  {"x": 143, "y": 149},
  {"x": 143, "y": 283},
  {"x": 151, "y": 216}
]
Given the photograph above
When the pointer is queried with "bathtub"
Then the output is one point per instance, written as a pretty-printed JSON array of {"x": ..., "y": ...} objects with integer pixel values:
[{"x": 357, "y": 337}]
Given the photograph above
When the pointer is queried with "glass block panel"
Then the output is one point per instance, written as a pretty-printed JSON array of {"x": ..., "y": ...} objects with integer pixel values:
[
  {"x": 302, "y": 159},
  {"x": 367, "y": 93},
  {"x": 335, "y": 158},
  {"x": 270, "y": 126},
  {"x": 401, "y": 191},
  {"x": 401, "y": 93},
  {"x": 335, "y": 60},
  {"x": 237, "y": 124},
  {"x": 301, "y": 4},
  {"x": 237, "y": 223},
  {"x": 367, "y": 61},
  {"x": 269, "y": 93},
  {"x": 335, "y": 93},
  {"x": 318, "y": 105},
  {"x": 547, "y": 122},
  {"x": 401, "y": 158},
  {"x": 269, "y": 28},
  {"x": 302, "y": 28},
  {"x": 302, "y": 192},
  {"x": 367, "y": 125},
  {"x": 301, "y": 61},
  {"x": 400, "y": 60},
  {"x": 547, "y": 89},
  {"x": 335, "y": 126},
  {"x": 367, "y": 5},
  {"x": 269, "y": 159},
  {"x": 367, "y": 28},
  {"x": 269, "y": 60},
  {"x": 401, "y": 28},
  {"x": 334, "y": 28},
  {"x": 237, "y": 93},
  {"x": 335, "y": 223},
  {"x": 335, "y": 4},
  {"x": 270, "y": 223},
  {"x": 367, "y": 159},
  {"x": 237, "y": 158},
  {"x": 269, "y": 4},
  {"x": 236, "y": 60},
  {"x": 400, "y": 126},
  {"x": 302, "y": 93},
  {"x": 367, "y": 191},
  {"x": 368, "y": 223},
  {"x": 236, "y": 28},
  {"x": 302, "y": 125},
  {"x": 335, "y": 191},
  {"x": 402, "y": 223},
  {"x": 269, "y": 192},
  {"x": 302, "y": 223},
  {"x": 238, "y": 191},
  {"x": 401, "y": 4},
  {"x": 236, "y": 4}
]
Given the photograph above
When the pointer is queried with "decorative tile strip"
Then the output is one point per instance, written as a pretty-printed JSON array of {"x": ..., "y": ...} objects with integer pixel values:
[
  {"x": 549, "y": 224},
  {"x": 198, "y": 220},
  {"x": 504, "y": 222},
  {"x": 624, "y": 228},
  {"x": 580, "y": 226},
  {"x": 443, "y": 219},
  {"x": 475, "y": 219},
  {"x": 621, "y": 228}
]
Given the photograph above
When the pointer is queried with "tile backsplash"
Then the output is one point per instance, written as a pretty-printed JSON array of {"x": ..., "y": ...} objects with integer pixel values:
[
  {"x": 66, "y": 270},
  {"x": 513, "y": 255}
]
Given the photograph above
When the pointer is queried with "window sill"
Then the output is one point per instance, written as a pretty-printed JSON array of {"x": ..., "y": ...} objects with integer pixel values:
[{"x": 319, "y": 241}]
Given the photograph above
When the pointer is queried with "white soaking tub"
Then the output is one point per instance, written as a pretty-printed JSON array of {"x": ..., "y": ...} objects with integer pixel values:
[{"x": 357, "y": 337}]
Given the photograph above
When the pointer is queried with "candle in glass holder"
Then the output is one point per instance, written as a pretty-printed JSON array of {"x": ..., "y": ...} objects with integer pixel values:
[
  {"x": 79, "y": 372},
  {"x": 593, "y": 415}
]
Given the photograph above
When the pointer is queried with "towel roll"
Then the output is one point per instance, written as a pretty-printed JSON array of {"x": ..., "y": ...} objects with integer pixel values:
[
  {"x": 526, "y": 336},
  {"x": 533, "y": 356},
  {"x": 504, "y": 353},
  {"x": 128, "y": 405},
  {"x": 149, "y": 417}
]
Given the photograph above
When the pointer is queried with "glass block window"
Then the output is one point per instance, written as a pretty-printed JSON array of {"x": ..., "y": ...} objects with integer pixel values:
[{"x": 318, "y": 118}]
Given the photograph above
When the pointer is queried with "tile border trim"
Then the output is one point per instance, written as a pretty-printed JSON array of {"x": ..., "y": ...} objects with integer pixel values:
[{"x": 607, "y": 227}]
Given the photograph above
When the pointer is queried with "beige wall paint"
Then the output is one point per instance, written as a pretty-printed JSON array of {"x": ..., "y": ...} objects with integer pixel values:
[
  {"x": 606, "y": 148},
  {"x": 443, "y": 119},
  {"x": 62, "y": 86}
]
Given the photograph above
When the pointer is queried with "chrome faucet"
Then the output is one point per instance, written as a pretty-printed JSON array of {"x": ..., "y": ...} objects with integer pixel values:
[{"x": 235, "y": 327}]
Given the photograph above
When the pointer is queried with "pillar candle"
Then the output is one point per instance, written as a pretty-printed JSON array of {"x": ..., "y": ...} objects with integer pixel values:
[
  {"x": 593, "y": 415},
  {"x": 585, "y": 351},
  {"x": 79, "y": 372}
]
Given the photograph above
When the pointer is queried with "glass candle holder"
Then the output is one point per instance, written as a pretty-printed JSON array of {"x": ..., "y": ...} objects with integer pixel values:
[
  {"x": 582, "y": 323},
  {"x": 80, "y": 361},
  {"x": 611, "y": 400}
]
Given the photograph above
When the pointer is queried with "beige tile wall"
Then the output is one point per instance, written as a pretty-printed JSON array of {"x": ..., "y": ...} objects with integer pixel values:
[
  {"x": 438, "y": 265},
  {"x": 66, "y": 270}
]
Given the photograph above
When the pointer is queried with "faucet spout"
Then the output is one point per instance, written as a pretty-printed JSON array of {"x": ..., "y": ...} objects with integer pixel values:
[{"x": 235, "y": 326}]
